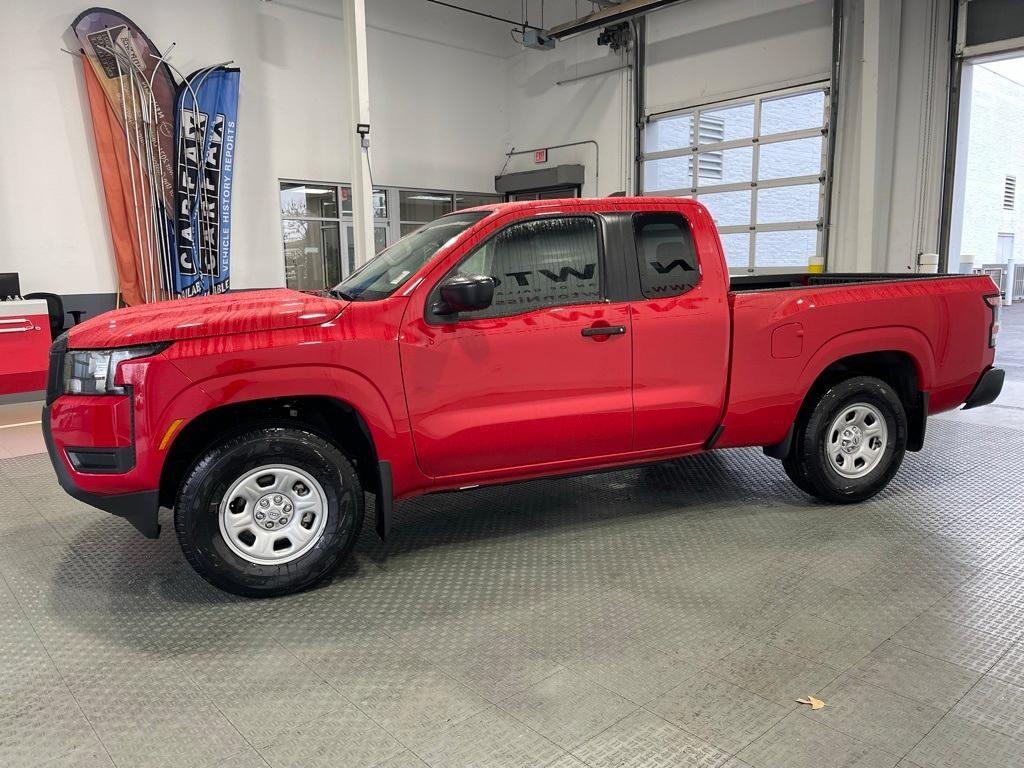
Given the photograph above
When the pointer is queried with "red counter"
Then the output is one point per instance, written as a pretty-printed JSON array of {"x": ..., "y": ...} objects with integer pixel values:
[{"x": 24, "y": 346}]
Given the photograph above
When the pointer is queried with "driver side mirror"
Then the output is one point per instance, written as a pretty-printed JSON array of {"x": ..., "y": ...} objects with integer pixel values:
[{"x": 464, "y": 293}]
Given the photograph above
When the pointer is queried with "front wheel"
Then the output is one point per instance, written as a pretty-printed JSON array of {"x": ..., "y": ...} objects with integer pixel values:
[
  {"x": 848, "y": 446},
  {"x": 271, "y": 511}
]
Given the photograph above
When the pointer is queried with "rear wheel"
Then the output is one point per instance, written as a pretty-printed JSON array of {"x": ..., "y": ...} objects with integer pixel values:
[
  {"x": 848, "y": 446},
  {"x": 271, "y": 511}
]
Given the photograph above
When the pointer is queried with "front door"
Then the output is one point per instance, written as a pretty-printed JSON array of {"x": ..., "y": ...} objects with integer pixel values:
[{"x": 541, "y": 377}]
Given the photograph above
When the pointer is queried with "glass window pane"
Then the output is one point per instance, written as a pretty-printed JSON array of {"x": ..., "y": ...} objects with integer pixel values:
[
  {"x": 793, "y": 113},
  {"x": 776, "y": 205},
  {"x": 727, "y": 123},
  {"x": 675, "y": 132},
  {"x": 540, "y": 263},
  {"x": 737, "y": 250},
  {"x": 473, "y": 199},
  {"x": 423, "y": 206},
  {"x": 790, "y": 158},
  {"x": 728, "y": 209},
  {"x": 387, "y": 272},
  {"x": 785, "y": 249},
  {"x": 668, "y": 173},
  {"x": 729, "y": 166},
  {"x": 380, "y": 236},
  {"x": 313, "y": 200},
  {"x": 380, "y": 202},
  {"x": 311, "y": 252},
  {"x": 407, "y": 229},
  {"x": 666, "y": 255}
]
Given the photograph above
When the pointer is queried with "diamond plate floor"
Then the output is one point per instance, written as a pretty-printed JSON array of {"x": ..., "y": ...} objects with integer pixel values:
[{"x": 660, "y": 616}]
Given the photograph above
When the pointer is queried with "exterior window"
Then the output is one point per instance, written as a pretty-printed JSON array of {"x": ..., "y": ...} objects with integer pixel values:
[
  {"x": 465, "y": 200},
  {"x": 316, "y": 228},
  {"x": 539, "y": 263},
  {"x": 758, "y": 164},
  {"x": 318, "y": 234},
  {"x": 1009, "y": 193},
  {"x": 418, "y": 207},
  {"x": 665, "y": 252},
  {"x": 310, "y": 233},
  {"x": 380, "y": 202}
]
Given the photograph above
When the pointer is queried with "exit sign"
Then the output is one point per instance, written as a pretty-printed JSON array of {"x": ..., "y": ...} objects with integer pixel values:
[{"x": 540, "y": 156}]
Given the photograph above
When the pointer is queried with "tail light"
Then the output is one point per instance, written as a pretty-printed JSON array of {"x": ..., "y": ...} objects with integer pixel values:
[{"x": 995, "y": 304}]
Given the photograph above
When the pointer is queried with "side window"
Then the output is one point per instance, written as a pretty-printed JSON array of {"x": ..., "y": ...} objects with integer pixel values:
[
  {"x": 539, "y": 263},
  {"x": 668, "y": 259}
]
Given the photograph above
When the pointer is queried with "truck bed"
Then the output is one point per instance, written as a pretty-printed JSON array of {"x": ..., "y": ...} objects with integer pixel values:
[{"x": 787, "y": 327}]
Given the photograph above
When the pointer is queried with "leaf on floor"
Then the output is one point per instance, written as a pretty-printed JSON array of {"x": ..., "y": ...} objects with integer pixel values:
[{"x": 815, "y": 703}]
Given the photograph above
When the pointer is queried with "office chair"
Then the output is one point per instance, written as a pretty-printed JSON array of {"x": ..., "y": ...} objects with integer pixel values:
[{"x": 55, "y": 309}]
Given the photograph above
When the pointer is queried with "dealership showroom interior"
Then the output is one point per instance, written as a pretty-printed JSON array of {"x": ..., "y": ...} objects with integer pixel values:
[{"x": 517, "y": 383}]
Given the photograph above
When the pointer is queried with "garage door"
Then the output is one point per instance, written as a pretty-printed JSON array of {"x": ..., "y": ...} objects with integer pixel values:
[{"x": 758, "y": 164}]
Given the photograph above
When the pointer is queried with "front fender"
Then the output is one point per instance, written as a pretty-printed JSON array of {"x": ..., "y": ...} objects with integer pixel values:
[{"x": 388, "y": 431}]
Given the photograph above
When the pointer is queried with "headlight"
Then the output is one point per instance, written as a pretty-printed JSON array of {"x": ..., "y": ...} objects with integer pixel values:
[{"x": 92, "y": 371}]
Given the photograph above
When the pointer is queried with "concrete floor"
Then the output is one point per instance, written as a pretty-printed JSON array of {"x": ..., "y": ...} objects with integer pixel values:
[{"x": 663, "y": 616}]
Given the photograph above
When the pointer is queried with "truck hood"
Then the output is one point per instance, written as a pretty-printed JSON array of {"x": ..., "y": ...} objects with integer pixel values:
[{"x": 242, "y": 312}]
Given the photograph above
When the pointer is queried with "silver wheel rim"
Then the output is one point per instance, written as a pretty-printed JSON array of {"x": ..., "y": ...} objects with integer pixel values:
[
  {"x": 856, "y": 441},
  {"x": 273, "y": 514}
]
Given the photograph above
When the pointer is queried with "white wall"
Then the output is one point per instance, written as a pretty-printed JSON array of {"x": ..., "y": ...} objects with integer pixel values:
[
  {"x": 708, "y": 50},
  {"x": 541, "y": 112},
  {"x": 424, "y": 60},
  {"x": 450, "y": 93},
  {"x": 697, "y": 51}
]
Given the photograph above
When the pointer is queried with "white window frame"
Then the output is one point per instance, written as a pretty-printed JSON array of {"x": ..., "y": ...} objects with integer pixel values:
[{"x": 755, "y": 141}]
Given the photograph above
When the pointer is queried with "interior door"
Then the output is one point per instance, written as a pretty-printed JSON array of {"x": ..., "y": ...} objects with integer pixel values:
[
  {"x": 541, "y": 377},
  {"x": 680, "y": 335}
]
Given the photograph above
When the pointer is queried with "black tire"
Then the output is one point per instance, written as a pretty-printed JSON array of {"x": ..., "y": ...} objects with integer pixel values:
[
  {"x": 808, "y": 464},
  {"x": 197, "y": 511}
]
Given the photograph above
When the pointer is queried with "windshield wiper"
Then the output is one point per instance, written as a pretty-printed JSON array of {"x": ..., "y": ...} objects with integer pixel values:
[{"x": 342, "y": 295}]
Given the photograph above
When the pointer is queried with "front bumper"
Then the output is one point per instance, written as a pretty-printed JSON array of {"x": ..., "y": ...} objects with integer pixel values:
[
  {"x": 141, "y": 509},
  {"x": 989, "y": 385}
]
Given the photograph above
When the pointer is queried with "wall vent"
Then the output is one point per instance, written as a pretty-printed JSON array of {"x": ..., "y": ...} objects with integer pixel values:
[{"x": 1009, "y": 192}]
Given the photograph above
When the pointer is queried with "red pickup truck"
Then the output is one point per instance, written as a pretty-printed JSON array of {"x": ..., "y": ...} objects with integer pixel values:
[{"x": 492, "y": 345}]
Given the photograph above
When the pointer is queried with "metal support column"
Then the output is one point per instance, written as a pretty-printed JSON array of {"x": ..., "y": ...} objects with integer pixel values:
[
  {"x": 868, "y": 170},
  {"x": 359, "y": 101}
]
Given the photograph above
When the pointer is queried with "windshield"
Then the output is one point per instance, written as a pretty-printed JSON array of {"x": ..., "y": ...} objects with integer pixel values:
[{"x": 391, "y": 268}]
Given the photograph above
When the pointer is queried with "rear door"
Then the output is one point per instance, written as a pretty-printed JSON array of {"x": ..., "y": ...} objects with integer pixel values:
[
  {"x": 540, "y": 378},
  {"x": 680, "y": 329}
]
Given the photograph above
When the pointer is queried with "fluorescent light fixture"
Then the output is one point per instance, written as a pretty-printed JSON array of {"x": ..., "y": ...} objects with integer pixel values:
[
  {"x": 307, "y": 191},
  {"x": 432, "y": 198}
]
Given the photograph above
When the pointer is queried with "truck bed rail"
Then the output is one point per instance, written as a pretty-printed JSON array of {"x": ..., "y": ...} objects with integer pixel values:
[{"x": 805, "y": 280}]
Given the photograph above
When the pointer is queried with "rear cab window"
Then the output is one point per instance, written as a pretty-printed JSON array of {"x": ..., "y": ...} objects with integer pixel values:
[{"x": 666, "y": 254}]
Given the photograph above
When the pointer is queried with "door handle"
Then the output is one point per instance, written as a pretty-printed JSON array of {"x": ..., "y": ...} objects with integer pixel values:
[{"x": 604, "y": 330}]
